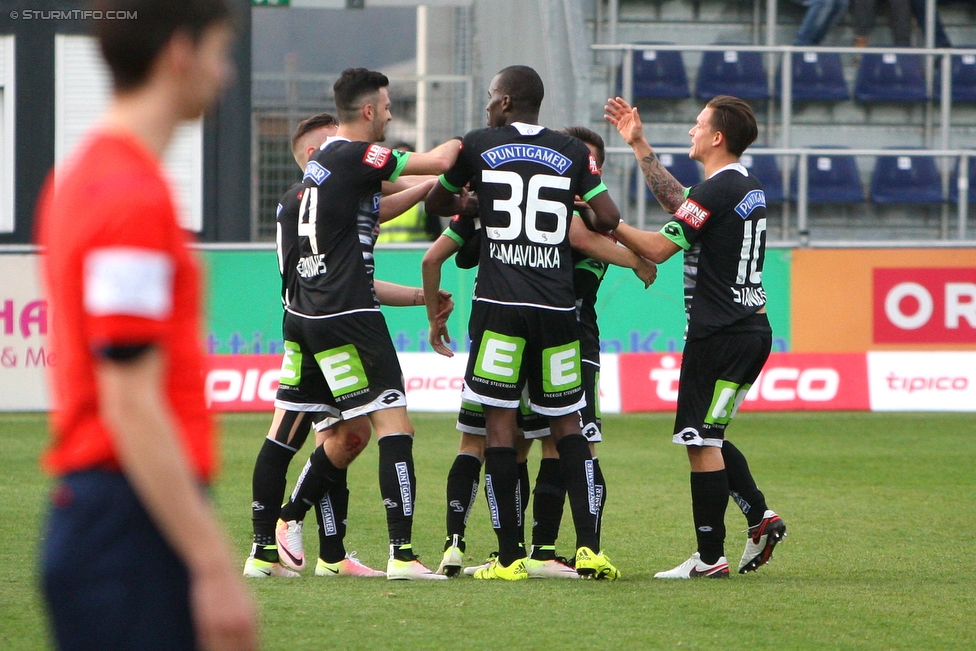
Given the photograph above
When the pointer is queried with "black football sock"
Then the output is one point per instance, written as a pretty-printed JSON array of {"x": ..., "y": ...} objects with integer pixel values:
[
  {"x": 576, "y": 467},
  {"x": 501, "y": 488},
  {"x": 398, "y": 487},
  {"x": 523, "y": 500},
  {"x": 462, "y": 490},
  {"x": 548, "y": 500},
  {"x": 709, "y": 498},
  {"x": 600, "y": 485},
  {"x": 331, "y": 514},
  {"x": 742, "y": 487},
  {"x": 268, "y": 489},
  {"x": 316, "y": 479}
]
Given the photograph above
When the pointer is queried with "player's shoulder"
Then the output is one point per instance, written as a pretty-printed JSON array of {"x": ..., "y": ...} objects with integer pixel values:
[{"x": 292, "y": 198}]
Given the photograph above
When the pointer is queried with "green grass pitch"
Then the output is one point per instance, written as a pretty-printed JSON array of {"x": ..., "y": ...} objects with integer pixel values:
[{"x": 880, "y": 509}]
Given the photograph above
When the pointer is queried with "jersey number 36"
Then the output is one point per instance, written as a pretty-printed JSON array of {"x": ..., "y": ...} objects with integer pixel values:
[{"x": 533, "y": 206}]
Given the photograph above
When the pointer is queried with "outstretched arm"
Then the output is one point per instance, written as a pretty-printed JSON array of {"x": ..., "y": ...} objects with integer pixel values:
[
  {"x": 647, "y": 244},
  {"x": 437, "y": 161},
  {"x": 398, "y": 203},
  {"x": 602, "y": 248},
  {"x": 437, "y": 334},
  {"x": 669, "y": 193}
]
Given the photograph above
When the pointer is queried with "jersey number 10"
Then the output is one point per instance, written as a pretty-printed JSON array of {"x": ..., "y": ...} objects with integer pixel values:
[{"x": 750, "y": 261}]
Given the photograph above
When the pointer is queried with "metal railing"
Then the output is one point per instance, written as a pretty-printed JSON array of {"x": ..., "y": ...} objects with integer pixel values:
[
  {"x": 785, "y": 53},
  {"x": 792, "y": 155}
]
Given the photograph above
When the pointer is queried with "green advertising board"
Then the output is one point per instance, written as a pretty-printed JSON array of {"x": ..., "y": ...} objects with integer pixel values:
[{"x": 245, "y": 310}]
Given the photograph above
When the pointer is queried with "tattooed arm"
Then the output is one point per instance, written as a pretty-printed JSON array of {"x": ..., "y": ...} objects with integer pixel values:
[{"x": 669, "y": 193}]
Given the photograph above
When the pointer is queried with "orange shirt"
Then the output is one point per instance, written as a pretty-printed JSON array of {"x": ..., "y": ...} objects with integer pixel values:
[{"x": 118, "y": 271}]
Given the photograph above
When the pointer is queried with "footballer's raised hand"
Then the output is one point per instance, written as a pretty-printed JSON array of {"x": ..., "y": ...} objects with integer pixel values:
[{"x": 625, "y": 118}]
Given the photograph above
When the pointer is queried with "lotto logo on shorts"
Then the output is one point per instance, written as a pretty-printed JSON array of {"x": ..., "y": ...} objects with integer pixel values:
[
  {"x": 376, "y": 156},
  {"x": 500, "y": 357},
  {"x": 561, "y": 368},
  {"x": 692, "y": 214},
  {"x": 343, "y": 370}
]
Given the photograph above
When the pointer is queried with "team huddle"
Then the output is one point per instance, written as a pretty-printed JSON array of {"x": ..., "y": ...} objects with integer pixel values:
[{"x": 528, "y": 207}]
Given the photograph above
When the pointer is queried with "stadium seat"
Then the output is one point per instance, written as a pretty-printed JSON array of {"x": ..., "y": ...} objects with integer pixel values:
[
  {"x": 741, "y": 74},
  {"x": 817, "y": 76},
  {"x": 890, "y": 78},
  {"x": 764, "y": 168},
  {"x": 832, "y": 179},
  {"x": 954, "y": 183},
  {"x": 906, "y": 179},
  {"x": 685, "y": 170},
  {"x": 963, "y": 79},
  {"x": 659, "y": 74}
]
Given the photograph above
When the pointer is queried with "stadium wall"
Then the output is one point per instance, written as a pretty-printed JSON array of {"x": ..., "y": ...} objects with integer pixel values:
[{"x": 889, "y": 329}]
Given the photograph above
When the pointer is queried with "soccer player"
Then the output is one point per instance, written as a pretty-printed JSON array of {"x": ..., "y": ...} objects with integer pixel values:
[
  {"x": 340, "y": 360},
  {"x": 720, "y": 224},
  {"x": 592, "y": 252},
  {"x": 289, "y": 429},
  {"x": 133, "y": 557},
  {"x": 523, "y": 322}
]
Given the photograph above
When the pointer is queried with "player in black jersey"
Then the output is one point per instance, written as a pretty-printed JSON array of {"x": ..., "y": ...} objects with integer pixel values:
[
  {"x": 523, "y": 322},
  {"x": 289, "y": 429},
  {"x": 721, "y": 226},
  {"x": 592, "y": 253},
  {"x": 334, "y": 318}
]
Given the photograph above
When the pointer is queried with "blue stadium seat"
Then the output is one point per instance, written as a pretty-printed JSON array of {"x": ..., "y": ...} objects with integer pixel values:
[
  {"x": 906, "y": 179},
  {"x": 659, "y": 74},
  {"x": 764, "y": 168},
  {"x": 816, "y": 76},
  {"x": 687, "y": 171},
  {"x": 832, "y": 179},
  {"x": 963, "y": 79},
  {"x": 954, "y": 183},
  {"x": 890, "y": 78},
  {"x": 732, "y": 73}
]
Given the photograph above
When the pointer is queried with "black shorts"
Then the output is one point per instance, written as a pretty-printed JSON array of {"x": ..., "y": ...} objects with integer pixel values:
[
  {"x": 716, "y": 374},
  {"x": 471, "y": 420},
  {"x": 344, "y": 365},
  {"x": 110, "y": 578},
  {"x": 515, "y": 346}
]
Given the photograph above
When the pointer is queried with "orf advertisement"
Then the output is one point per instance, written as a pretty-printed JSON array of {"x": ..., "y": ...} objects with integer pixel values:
[{"x": 858, "y": 300}]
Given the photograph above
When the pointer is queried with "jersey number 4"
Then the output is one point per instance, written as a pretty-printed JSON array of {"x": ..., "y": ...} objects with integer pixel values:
[
  {"x": 307, "y": 215},
  {"x": 533, "y": 206}
]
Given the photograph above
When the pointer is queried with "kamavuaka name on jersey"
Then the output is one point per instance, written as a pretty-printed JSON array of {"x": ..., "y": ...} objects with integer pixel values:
[
  {"x": 525, "y": 255},
  {"x": 750, "y": 202},
  {"x": 693, "y": 214},
  {"x": 532, "y": 153}
]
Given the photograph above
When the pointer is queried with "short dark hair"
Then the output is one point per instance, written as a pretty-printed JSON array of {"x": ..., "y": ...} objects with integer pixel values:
[
  {"x": 524, "y": 86},
  {"x": 353, "y": 84},
  {"x": 735, "y": 119},
  {"x": 311, "y": 124},
  {"x": 590, "y": 137},
  {"x": 131, "y": 46}
]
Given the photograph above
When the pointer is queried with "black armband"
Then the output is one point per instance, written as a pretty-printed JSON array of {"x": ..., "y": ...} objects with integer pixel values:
[{"x": 122, "y": 352}]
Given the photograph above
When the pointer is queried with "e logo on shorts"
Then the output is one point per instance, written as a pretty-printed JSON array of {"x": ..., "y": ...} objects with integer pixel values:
[
  {"x": 343, "y": 370},
  {"x": 725, "y": 402},
  {"x": 561, "y": 368},
  {"x": 500, "y": 357},
  {"x": 291, "y": 365}
]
